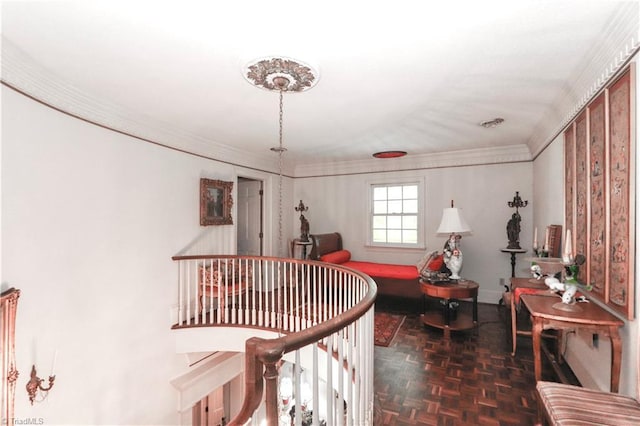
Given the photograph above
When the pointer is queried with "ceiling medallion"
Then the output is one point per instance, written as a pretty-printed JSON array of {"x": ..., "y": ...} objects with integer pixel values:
[
  {"x": 492, "y": 123},
  {"x": 271, "y": 73},
  {"x": 390, "y": 154}
]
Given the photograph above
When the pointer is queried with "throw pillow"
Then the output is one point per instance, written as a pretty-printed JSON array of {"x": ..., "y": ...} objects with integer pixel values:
[
  {"x": 424, "y": 262},
  {"x": 337, "y": 257},
  {"x": 436, "y": 263}
]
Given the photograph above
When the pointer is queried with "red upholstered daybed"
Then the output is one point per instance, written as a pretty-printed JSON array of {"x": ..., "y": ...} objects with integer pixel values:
[{"x": 392, "y": 280}]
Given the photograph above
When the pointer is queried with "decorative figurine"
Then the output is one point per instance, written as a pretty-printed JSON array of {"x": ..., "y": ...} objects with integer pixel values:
[
  {"x": 304, "y": 223},
  {"x": 513, "y": 226},
  {"x": 569, "y": 266},
  {"x": 513, "y": 231}
]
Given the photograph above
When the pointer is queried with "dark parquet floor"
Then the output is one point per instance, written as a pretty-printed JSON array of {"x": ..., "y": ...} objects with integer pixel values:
[{"x": 471, "y": 379}]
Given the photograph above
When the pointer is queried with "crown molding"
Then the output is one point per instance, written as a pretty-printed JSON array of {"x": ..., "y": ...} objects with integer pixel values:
[
  {"x": 615, "y": 47},
  {"x": 470, "y": 157},
  {"x": 22, "y": 73}
]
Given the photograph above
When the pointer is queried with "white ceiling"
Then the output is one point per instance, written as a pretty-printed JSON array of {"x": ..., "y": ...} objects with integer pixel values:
[{"x": 406, "y": 75}]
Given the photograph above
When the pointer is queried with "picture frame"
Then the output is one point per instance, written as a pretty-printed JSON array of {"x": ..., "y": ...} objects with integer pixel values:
[{"x": 216, "y": 200}]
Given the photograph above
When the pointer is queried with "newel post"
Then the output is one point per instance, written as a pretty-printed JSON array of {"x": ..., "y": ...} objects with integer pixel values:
[{"x": 270, "y": 353}]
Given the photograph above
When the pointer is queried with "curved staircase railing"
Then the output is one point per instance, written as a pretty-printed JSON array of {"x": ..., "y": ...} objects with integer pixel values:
[{"x": 323, "y": 317}]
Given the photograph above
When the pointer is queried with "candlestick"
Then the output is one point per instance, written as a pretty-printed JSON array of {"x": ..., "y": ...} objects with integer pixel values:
[
  {"x": 546, "y": 240},
  {"x": 53, "y": 364},
  {"x": 568, "y": 248}
]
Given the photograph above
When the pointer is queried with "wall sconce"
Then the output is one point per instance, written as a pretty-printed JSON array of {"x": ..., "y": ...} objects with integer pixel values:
[{"x": 35, "y": 383}]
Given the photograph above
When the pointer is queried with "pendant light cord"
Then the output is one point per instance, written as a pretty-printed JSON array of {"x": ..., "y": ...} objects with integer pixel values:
[
  {"x": 280, "y": 164},
  {"x": 280, "y": 237}
]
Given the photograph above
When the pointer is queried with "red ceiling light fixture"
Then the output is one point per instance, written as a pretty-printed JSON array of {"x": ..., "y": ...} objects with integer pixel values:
[{"x": 390, "y": 154}]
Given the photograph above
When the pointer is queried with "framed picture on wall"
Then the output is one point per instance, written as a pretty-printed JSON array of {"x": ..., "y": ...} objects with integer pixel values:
[{"x": 216, "y": 201}]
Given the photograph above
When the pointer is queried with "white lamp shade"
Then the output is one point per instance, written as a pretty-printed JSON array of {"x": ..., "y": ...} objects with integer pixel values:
[{"x": 453, "y": 223}]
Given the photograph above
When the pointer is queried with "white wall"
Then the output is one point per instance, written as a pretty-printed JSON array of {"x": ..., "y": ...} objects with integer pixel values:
[
  {"x": 90, "y": 220},
  {"x": 339, "y": 204}
]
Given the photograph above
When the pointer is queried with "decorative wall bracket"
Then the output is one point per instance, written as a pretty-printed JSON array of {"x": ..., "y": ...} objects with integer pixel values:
[{"x": 35, "y": 384}]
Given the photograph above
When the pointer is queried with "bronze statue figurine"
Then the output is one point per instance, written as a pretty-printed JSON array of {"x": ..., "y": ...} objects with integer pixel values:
[
  {"x": 513, "y": 226},
  {"x": 304, "y": 223},
  {"x": 513, "y": 231}
]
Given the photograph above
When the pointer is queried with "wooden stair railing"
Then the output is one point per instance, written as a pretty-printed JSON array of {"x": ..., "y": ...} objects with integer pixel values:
[
  {"x": 336, "y": 301},
  {"x": 266, "y": 353}
]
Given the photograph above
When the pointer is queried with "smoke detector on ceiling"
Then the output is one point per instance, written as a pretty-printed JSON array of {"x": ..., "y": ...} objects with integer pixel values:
[{"x": 492, "y": 123}]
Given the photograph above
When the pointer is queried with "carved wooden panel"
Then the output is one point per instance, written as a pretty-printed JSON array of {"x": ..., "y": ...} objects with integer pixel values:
[
  {"x": 8, "y": 308},
  {"x": 596, "y": 232},
  {"x": 600, "y": 194},
  {"x": 569, "y": 176},
  {"x": 621, "y": 291},
  {"x": 581, "y": 191}
]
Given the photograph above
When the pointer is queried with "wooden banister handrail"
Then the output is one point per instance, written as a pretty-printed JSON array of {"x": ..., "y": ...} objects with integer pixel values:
[
  {"x": 263, "y": 356},
  {"x": 253, "y": 382},
  {"x": 260, "y": 351}
]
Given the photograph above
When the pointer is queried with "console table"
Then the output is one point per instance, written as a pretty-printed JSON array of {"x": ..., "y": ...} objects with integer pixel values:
[
  {"x": 446, "y": 291},
  {"x": 591, "y": 317}
]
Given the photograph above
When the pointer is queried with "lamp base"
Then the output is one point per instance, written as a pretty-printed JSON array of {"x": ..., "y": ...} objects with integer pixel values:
[{"x": 453, "y": 261}]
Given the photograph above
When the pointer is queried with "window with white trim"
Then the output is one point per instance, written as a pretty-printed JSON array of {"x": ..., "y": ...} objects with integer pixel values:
[{"x": 395, "y": 214}]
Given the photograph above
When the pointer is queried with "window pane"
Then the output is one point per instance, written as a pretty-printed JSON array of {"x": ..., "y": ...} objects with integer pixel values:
[
  {"x": 379, "y": 193},
  {"x": 395, "y": 206},
  {"x": 379, "y": 236},
  {"x": 379, "y": 222},
  {"x": 395, "y": 212},
  {"x": 410, "y": 222},
  {"x": 410, "y": 206},
  {"x": 410, "y": 191},
  {"x": 395, "y": 193},
  {"x": 394, "y": 222},
  {"x": 394, "y": 236},
  {"x": 379, "y": 207},
  {"x": 409, "y": 236}
]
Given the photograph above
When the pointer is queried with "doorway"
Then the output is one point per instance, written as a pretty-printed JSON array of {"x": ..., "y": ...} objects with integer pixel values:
[{"x": 250, "y": 217}]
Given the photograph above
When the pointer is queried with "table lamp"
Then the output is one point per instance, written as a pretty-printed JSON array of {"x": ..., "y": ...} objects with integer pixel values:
[{"x": 453, "y": 225}]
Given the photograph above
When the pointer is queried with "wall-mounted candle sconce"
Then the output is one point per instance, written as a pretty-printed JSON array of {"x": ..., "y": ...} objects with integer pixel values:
[{"x": 36, "y": 383}]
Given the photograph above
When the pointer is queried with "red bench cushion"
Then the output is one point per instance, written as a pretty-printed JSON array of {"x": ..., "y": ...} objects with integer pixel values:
[{"x": 386, "y": 270}]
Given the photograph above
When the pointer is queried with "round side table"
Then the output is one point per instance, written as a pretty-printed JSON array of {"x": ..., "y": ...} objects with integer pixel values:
[{"x": 460, "y": 289}]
